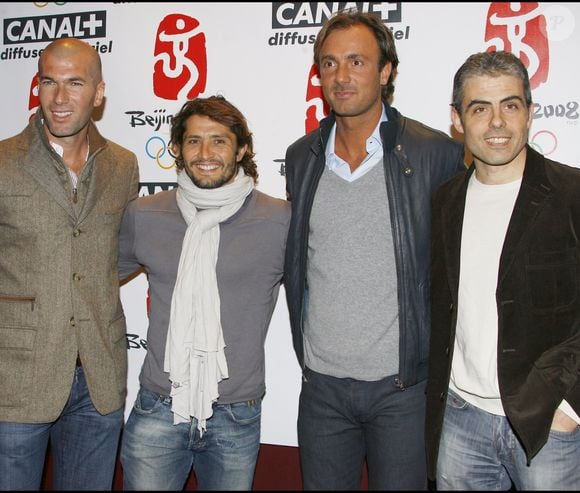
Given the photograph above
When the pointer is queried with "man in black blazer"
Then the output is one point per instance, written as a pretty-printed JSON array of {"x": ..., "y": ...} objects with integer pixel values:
[{"x": 503, "y": 394}]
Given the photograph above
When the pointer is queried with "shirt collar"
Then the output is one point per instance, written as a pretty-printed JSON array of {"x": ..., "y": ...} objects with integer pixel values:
[{"x": 332, "y": 160}]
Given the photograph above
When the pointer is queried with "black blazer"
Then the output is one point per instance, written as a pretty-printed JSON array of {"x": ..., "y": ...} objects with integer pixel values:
[{"x": 538, "y": 301}]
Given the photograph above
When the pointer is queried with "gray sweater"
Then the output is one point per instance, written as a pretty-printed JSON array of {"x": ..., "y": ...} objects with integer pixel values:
[
  {"x": 249, "y": 270},
  {"x": 351, "y": 328}
]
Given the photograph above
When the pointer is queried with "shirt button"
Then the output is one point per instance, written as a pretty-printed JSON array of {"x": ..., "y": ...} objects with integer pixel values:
[
  {"x": 408, "y": 171},
  {"x": 72, "y": 322},
  {"x": 76, "y": 277},
  {"x": 76, "y": 232}
]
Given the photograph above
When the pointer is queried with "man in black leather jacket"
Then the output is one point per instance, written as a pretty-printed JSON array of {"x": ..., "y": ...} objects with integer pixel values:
[{"x": 357, "y": 266}]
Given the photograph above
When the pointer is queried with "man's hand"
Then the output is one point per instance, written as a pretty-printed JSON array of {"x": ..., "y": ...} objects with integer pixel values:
[{"x": 563, "y": 422}]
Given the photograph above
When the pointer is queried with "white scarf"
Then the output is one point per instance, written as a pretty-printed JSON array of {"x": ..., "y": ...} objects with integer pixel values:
[{"x": 194, "y": 352}]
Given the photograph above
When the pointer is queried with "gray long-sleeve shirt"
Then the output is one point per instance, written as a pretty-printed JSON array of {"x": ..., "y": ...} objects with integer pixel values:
[{"x": 249, "y": 270}]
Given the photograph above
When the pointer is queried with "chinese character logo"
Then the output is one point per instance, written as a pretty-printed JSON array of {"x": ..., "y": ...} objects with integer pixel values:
[
  {"x": 33, "y": 99},
  {"x": 180, "y": 68},
  {"x": 520, "y": 28},
  {"x": 317, "y": 106}
]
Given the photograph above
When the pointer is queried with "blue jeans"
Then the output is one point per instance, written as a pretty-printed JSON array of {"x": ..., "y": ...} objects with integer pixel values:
[
  {"x": 479, "y": 451},
  {"x": 83, "y": 444},
  {"x": 341, "y": 421},
  {"x": 158, "y": 455}
]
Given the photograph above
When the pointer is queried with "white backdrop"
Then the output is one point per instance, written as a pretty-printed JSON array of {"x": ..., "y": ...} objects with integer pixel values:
[{"x": 259, "y": 56}]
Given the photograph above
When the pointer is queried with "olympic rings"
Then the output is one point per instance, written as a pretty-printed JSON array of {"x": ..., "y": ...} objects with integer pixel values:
[
  {"x": 41, "y": 5},
  {"x": 160, "y": 152},
  {"x": 550, "y": 139}
]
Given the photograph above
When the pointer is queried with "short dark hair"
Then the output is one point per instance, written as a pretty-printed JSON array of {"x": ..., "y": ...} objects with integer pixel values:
[
  {"x": 222, "y": 111},
  {"x": 491, "y": 63},
  {"x": 352, "y": 17}
]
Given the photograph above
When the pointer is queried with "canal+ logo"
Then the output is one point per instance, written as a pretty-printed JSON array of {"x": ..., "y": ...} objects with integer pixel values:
[
  {"x": 299, "y": 15},
  {"x": 40, "y": 29},
  {"x": 307, "y": 14}
]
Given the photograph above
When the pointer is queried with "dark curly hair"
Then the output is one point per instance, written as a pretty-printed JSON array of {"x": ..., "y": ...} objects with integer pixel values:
[
  {"x": 351, "y": 17},
  {"x": 222, "y": 111}
]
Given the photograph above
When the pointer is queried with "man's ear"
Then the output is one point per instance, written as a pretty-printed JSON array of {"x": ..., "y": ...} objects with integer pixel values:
[
  {"x": 99, "y": 93},
  {"x": 385, "y": 73},
  {"x": 530, "y": 116},
  {"x": 175, "y": 151},
  {"x": 456, "y": 119},
  {"x": 240, "y": 154}
]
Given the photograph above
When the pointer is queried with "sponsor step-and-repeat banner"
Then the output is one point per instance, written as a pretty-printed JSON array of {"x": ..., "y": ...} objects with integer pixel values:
[{"x": 259, "y": 56}]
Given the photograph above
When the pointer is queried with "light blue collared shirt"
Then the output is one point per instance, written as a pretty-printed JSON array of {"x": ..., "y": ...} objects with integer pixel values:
[{"x": 374, "y": 154}]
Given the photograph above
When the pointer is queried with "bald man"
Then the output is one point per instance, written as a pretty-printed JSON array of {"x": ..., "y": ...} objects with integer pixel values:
[{"x": 63, "y": 360}]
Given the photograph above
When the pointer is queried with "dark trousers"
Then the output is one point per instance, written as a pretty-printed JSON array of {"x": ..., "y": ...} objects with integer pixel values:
[{"x": 342, "y": 421}]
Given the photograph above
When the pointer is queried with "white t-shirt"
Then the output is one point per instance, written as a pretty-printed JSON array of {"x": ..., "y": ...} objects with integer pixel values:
[{"x": 488, "y": 209}]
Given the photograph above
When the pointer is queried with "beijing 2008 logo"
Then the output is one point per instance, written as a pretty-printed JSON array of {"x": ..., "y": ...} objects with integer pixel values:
[
  {"x": 156, "y": 148},
  {"x": 544, "y": 141},
  {"x": 318, "y": 108},
  {"x": 520, "y": 28},
  {"x": 180, "y": 68}
]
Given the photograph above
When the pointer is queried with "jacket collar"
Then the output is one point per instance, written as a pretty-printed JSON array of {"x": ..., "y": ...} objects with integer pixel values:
[
  {"x": 389, "y": 130},
  {"x": 41, "y": 161},
  {"x": 96, "y": 140}
]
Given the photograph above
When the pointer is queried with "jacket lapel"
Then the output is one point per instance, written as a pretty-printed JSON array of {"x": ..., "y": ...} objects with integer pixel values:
[
  {"x": 100, "y": 175},
  {"x": 534, "y": 191},
  {"x": 452, "y": 222},
  {"x": 49, "y": 175}
]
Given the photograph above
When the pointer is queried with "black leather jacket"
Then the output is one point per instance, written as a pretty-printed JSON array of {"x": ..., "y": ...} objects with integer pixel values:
[{"x": 416, "y": 160}]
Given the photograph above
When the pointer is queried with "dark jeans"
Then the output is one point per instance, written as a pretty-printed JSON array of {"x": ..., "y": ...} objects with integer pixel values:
[{"x": 341, "y": 421}]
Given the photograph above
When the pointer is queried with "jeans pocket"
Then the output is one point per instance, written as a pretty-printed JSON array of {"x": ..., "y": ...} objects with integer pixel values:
[
  {"x": 147, "y": 402},
  {"x": 456, "y": 402},
  {"x": 244, "y": 413},
  {"x": 566, "y": 436}
]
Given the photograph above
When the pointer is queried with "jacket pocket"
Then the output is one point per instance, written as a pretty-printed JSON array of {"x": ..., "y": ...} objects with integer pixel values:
[
  {"x": 18, "y": 310},
  {"x": 552, "y": 279},
  {"x": 15, "y": 199},
  {"x": 113, "y": 216},
  {"x": 16, "y": 364}
]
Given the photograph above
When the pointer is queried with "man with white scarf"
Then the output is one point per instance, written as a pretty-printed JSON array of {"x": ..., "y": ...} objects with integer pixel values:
[{"x": 213, "y": 251}]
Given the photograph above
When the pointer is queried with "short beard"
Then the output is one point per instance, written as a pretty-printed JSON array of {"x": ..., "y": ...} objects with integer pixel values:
[{"x": 212, "y": 184}]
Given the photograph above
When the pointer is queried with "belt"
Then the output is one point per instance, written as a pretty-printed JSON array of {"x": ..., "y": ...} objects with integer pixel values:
[{"x": 168, "y": 399}]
